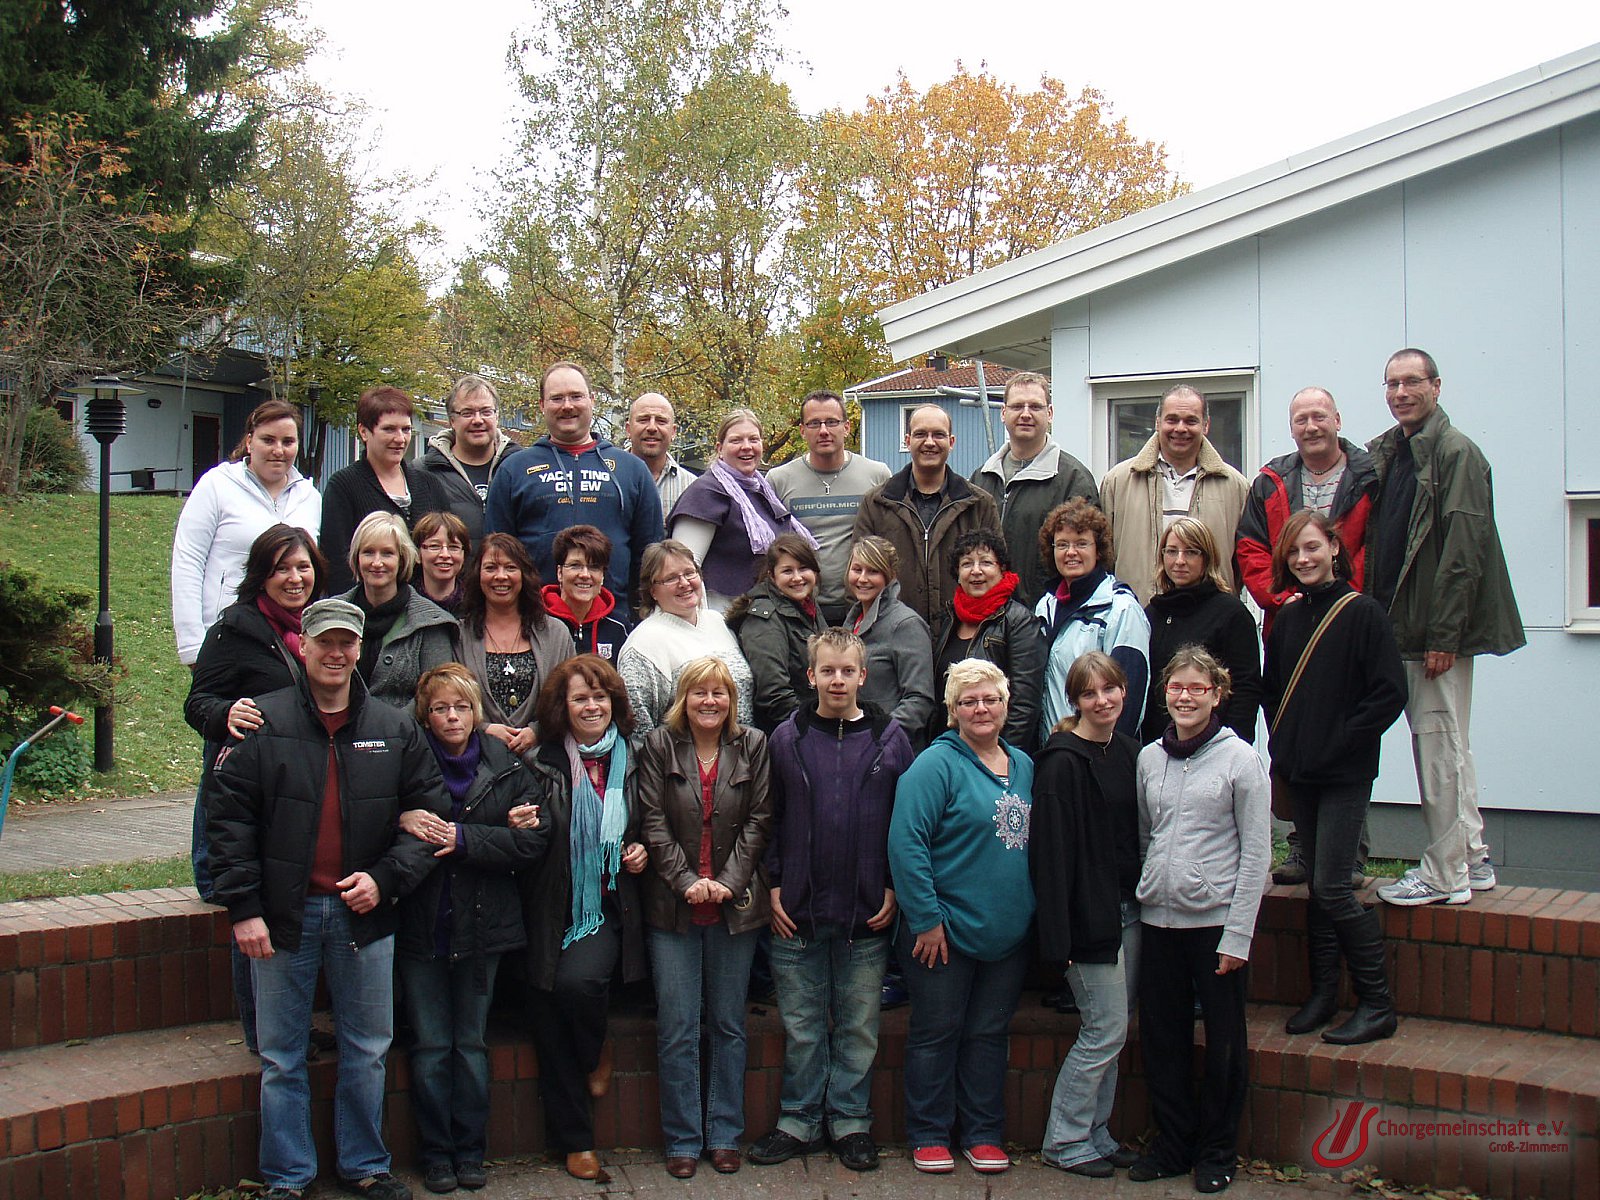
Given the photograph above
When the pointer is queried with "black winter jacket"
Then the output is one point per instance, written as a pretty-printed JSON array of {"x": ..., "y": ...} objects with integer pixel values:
[
  {"x": 1012, "y": 641},
  {"x": 547, "y": 891},
  {"x": 264, "y": 805},
  {"x": 772, "y": 631},
  {"x": 1353, "y": 688},
  {"x": 241, "y": 656},
  {"x": 1083, "y": 845},
  {"x": 486, "y": 915},
  {"x": 1204, "y": 615}
]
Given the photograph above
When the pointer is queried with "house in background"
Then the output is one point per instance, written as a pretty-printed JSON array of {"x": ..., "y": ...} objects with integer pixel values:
[
  {"x": 1470, "y": 228},
  {"x": 888, "y": 401}
]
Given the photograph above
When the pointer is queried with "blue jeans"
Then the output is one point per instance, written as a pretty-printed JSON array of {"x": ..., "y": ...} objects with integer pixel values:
[
  {"x": 956, "y": 1046},
  {"x": 828, "y": 996},
  {"x": 448, "y": 1004},
  {"x": 361, "y": 982},
  {"x": 706, "y": 964},
  {"x": 1078, "y": 1129}
]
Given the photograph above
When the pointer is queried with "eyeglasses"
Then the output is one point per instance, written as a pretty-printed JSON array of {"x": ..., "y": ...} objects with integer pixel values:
[
  {"x": 1026, "y": 408},
  {"x": 1196, "y": 690},
  {"x": 470, "y": 413},
  {"x": 968, "y": 703},
  {"x": 579, "y": 568},
  {"x": 1181, "y": 552},
  {"x": 830, "y": 424},
  {"x": 1084, "y": 545},
  {"x": 675, "y": 580},
  {"x": 433, "y": 547},
  {"x": 1409, "y": 382},
  {"x": 444, "y": 710}
]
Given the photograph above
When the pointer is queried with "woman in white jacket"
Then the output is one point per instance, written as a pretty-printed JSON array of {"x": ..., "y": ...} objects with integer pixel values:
[{"x": 231, "y": 505}]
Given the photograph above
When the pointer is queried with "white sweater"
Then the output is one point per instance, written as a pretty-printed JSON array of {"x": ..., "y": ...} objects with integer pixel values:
[
  {"x": 657, "y": 650},
  {"x": 228, "y": 509}
]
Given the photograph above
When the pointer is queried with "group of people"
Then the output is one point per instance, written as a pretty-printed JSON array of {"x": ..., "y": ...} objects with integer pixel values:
[{"x": 575, "y": 705}]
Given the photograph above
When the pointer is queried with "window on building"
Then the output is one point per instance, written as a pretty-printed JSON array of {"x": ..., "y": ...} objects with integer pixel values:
[
  {"x": 1127, "y": 407},
  {"x": 67, "y": 409},
  {"x": 1583, "y": 542}
]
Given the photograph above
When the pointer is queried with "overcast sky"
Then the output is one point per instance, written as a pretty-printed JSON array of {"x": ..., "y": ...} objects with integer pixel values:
[{"x": 1227, "y": 86}]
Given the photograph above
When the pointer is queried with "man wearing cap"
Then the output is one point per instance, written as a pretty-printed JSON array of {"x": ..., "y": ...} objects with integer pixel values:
[{"x": 302, "y": 826}]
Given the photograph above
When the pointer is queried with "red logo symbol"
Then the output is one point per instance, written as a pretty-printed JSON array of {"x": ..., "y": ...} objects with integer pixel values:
[{"x": 1333, "y": 1148}]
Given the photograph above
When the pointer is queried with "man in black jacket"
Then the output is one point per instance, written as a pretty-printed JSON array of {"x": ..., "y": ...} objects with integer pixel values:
[
  {"x": 465, "y": 457},
  {"x": 302, "y": 829}
]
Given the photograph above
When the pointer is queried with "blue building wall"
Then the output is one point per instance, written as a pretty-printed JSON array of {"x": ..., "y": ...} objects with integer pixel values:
[
  {"x": 881, "y": 432},
  {"x": 1492, "y": 265}
]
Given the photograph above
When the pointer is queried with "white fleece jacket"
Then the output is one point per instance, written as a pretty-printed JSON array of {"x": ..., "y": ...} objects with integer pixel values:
[{"x": 223, "y": 516}]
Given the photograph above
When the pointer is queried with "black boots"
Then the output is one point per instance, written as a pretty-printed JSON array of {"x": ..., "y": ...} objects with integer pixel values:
[
  {"x": 1361, "y": 941},
  {"x": 1322, "y": 950}
]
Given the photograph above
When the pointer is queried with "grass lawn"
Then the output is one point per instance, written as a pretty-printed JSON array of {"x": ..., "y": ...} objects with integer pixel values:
[
  {"x": 57, "y": 537},
  {"x": 97, "y": 881}
]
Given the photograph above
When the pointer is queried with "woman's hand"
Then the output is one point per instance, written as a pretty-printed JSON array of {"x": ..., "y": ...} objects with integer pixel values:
[
  {"x": 517, "y": 740},
  {"x": 931, "y": 945},
  {"x": 885, "y": 915},
  {"x": 635, "y": 857},
  {"x": 426, "y": 827},
  {"x": 1227, "y": 963},
  {"x": 243, "y": 717},
  {"x": 781, "y": 924},
  {"x": 523, "y": 816},
  {"x": 707, "y": 891}
]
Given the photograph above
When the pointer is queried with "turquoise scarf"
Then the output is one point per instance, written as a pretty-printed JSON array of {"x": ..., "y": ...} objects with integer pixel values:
[{"x": 594, "y": 842}]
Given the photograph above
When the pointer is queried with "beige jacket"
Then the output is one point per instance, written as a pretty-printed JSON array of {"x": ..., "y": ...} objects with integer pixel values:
[{"x": 1131, "y": 496}]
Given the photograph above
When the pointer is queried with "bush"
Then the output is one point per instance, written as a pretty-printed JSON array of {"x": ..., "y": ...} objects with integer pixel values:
[
  {"x": 56, "y": 766},
  {"x": 52, "y": 458},
  {"x": 46, "y": 650}
]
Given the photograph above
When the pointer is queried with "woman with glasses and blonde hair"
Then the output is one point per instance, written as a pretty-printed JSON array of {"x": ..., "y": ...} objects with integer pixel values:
[
  {"x": 406, "y": 633},
  {"x": 677, "y": 628},
  {"x": 461, "y": 920},
  {"x": 706, "y": 819},
  {"x": 1194, "y": 605},
  {"x": 729, "y": 516},
  {"x": 1206, "y": 832},
  {"x": 958, "y": 853}
]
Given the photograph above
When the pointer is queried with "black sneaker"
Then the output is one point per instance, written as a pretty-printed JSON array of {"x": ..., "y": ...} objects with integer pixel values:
[
  {"x": 471, "y": 1175},
  {"x": 778, "y": 1147},
  {"x": 1148, "y": 1169},
  {"x": 1123, "y": 1157},
  {"x": 1290, "y": 871},
  {"x": 857, "y": 1151},
  {"x": 439, "y": 1178},
  {"x": 1210, "y": 1180},
  {"x": 382, "y": 1186}
]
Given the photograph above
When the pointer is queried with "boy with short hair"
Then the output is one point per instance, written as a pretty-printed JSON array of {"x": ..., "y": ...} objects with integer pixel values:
[{"x": 834, "y": 768}]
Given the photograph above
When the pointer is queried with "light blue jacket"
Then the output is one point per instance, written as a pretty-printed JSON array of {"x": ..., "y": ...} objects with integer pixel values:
[
  {"x": 1111, "y": 620},
  {"x": 958, "y": 848}
]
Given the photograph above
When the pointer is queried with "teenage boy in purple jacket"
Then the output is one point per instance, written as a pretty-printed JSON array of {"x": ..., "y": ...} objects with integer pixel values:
[{"x": 834, "y": 770}]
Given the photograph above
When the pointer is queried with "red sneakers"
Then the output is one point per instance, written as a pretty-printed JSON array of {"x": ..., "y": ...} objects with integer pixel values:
[
  {"x": 933, "y": 1160},
  {"x": 988, "y": 1159}
]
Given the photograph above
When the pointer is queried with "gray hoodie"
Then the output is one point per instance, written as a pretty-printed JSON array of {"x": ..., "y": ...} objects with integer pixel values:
[{"x": 1205, "y": 832}]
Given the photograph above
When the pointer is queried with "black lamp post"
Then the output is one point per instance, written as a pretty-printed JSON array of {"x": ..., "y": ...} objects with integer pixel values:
[{"x": 106, "y": 422}]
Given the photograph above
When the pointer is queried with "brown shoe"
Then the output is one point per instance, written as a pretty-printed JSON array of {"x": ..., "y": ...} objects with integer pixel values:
[
  {"x": 585, "y": 1164},
  {"x": 600, "y": 1077},
  {"x": 681, "y": 1166},
  {"x": 725, "y": 1162}
]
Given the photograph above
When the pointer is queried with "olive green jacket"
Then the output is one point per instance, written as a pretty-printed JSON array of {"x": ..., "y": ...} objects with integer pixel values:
[{"x": 1454, "y": 592}]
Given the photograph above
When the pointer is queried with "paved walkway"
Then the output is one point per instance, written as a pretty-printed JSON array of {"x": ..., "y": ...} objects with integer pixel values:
[{"x": 45, "y": 837}]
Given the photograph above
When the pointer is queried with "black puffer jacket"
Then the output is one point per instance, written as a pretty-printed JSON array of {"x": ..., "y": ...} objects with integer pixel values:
[
  {"x": 485, "y": 913},
  {"x": 547, "y": 891},
  {"x": 1011, "y": 640},
  {"x": 240, "y": 657},
  {"x": 772, "y": 631},
  {"x": 264, "y": 805}
]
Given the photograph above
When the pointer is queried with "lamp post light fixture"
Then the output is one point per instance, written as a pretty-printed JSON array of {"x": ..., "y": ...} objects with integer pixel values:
[{"x": 107, "y": 420}]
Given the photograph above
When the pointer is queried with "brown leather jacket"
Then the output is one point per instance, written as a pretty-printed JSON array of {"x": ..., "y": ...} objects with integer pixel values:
[{"x": 741, "y": 822}]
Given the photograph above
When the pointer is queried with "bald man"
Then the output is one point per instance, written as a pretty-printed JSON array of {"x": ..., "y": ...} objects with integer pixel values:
[{"x": 651, "y": 428}]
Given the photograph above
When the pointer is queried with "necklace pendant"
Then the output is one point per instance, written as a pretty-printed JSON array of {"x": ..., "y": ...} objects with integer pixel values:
[{"x": 509, "y": 669}]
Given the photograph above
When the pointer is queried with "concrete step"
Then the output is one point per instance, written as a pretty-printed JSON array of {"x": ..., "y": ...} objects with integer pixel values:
[{"x": 172, "y": 1112}]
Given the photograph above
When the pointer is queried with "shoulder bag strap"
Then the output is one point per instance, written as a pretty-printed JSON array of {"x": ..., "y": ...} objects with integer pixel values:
[{"x": 1305, "y": 655}]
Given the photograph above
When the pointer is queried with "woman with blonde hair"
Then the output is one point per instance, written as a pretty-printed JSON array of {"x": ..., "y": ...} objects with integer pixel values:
[
  {"x": 707, "y": 817},
  {"x": 899, "y": 647},
  {"x": 729, "y": 516},
  {"x": 1083, "y": 852},
  {"x": 1194, "y": 605},
  {"x": 406, "y": 633}
]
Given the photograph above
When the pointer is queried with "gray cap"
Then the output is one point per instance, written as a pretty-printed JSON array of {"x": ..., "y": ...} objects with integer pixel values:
[{"x": 324, "y": 615}]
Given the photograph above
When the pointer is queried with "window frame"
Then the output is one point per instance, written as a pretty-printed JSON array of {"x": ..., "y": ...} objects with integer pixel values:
[
  {"x": 1582, "y": 509},
  {"x": 1106, "y": 390}
]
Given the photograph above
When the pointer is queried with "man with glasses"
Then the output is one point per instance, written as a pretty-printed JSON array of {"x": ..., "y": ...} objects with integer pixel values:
[
  {"x": 1028, "y": 477},
  {"x": 923, "y": 509},
  {"x": 465, "y": 457},
  {"x": 824, "y": 488},
  {"x": 651, "y": 427},
  {"x": 573, "y": 477},
  {"x": 1434, "y": 561},
  {"x": 1178, "y": 473}
]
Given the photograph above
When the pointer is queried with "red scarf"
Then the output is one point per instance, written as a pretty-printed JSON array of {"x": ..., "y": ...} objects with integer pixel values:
[
  {"x": 284, "y": 623},
  {"x": 974, "y": 610}
]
